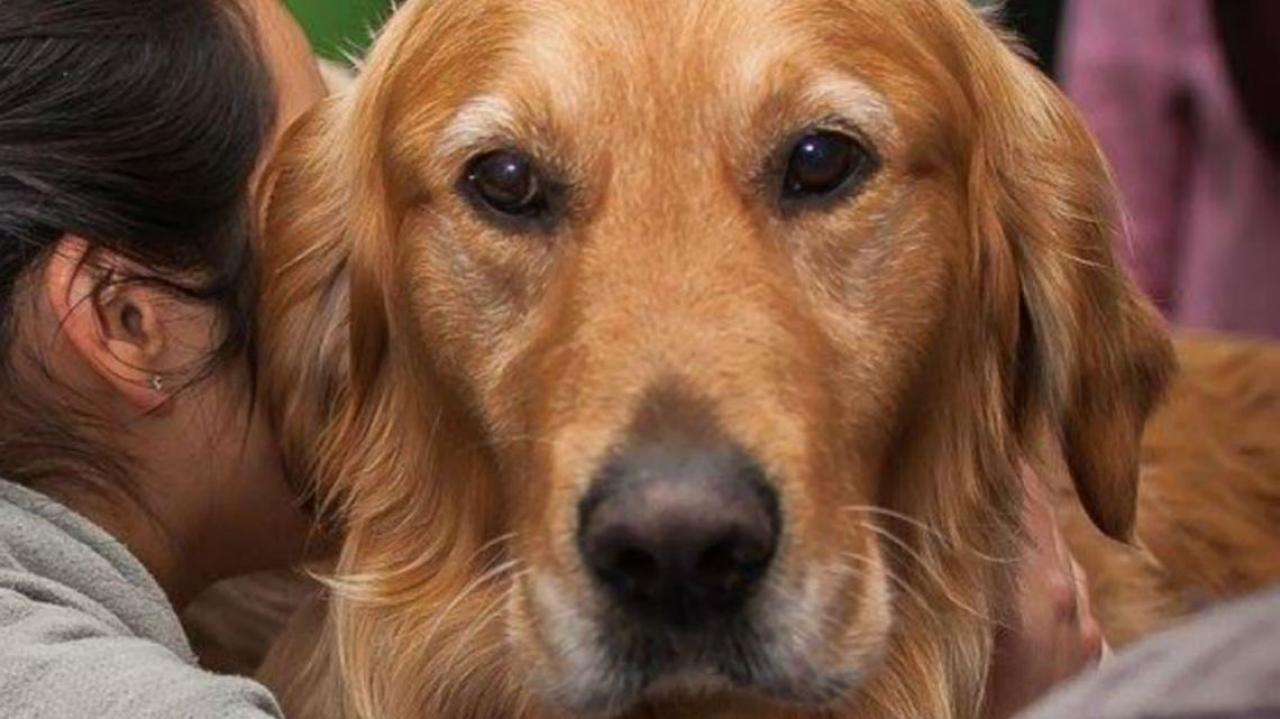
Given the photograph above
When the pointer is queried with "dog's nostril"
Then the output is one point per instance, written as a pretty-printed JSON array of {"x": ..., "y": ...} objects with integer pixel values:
[
  {"x": 728, "y": 565},
  {"x": 679, "y": 537},
  {"x": 637, "y": 570},
  {"x": 719, "y": 559}
]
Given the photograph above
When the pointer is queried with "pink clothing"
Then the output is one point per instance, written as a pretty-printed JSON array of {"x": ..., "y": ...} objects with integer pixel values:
[{"x": 1202, "y": 191}]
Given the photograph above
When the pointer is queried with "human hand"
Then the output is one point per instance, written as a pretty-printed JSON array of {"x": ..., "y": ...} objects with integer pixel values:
[{"x": 1053, "y": 635}]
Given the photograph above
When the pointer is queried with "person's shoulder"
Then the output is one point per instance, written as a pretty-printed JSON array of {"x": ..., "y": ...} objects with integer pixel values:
[
  {"x": 56, "y": 662},
  {"x": 203, "y": 695},
  {"x": 57, "y": 567},
  {"x": 1223, "y": 665},
  {"x": 85, "y": 633}
]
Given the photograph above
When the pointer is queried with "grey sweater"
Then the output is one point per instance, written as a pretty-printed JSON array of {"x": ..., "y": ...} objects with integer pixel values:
[
  {"x": 86, "y": 633},
  {"x": 1223, "y": 665}
]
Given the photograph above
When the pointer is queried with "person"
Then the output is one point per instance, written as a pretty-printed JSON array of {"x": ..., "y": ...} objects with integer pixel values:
[
  {"x": 1223, "y": 665},
  {"x": 1052, "y": 634},
  {"x": 1182, "y": 98},
  {"x": 137, "y": 465}
]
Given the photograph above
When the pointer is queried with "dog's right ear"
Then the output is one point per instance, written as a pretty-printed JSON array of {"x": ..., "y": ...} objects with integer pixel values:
[{"x": 1092, "y": 356}]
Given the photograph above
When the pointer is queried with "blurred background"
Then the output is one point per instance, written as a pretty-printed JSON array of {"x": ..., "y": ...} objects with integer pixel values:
[
  {"x": 1184, "y": 96},
  {"x": 340, "y": 29}
]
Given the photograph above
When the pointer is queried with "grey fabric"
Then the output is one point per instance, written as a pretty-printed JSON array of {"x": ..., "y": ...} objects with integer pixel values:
[
  {"x": 85, "y": 632},
  {"x": 1224, "y": 665}
]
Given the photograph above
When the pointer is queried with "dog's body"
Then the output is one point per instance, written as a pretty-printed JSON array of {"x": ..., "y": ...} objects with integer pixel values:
[
  {"x": 1209, "y": 503},
  {"x": 677, "y": 359}
]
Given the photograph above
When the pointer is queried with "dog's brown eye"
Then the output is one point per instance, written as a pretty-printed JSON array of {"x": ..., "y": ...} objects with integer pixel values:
[
  {"x": 507, "y": 182},
  {"x": 822, "y": 163}
]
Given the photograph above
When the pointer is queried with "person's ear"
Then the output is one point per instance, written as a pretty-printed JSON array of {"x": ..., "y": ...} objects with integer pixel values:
[{"x": 114, "y": 326}]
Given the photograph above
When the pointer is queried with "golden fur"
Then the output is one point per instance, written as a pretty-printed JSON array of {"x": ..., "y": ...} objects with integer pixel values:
[
  {"x": 1208, "y": 498},
  {"x": 1209, "y": 503},
  {"x": 446, "y": 386}
]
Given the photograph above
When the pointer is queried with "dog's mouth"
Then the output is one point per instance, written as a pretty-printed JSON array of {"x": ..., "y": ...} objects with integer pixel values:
[
  {"x": 688, "y": 576},
  {"x": 721, "y": 658},
  {"x": 604, "y": 660}
]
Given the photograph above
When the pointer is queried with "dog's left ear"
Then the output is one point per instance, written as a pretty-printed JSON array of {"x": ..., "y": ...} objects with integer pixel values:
[{"x": 1092, "y": 356}]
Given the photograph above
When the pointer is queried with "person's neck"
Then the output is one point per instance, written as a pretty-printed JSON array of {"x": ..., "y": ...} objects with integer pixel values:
[
  {"x": 144, "y": 531},
  {"x": 177, "y": 492}
]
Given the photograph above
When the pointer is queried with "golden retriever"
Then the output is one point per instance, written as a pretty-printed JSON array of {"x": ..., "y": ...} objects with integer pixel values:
[
  {"x": 676, "y": 358},
  {"x": 1209, "y": 504}
]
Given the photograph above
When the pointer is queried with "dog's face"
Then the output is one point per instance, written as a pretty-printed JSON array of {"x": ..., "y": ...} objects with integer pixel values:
[
  {"x": 685, "y": 263},
  {"x": 697, "y": 276}
]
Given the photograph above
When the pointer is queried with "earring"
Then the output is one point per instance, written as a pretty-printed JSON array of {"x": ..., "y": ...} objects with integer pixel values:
[{"x": 157, "y": 383}]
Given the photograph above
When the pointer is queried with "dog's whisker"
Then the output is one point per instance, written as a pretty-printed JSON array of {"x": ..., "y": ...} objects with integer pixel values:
[
  {"x": 356, "y": 585},
  {"x": 465, "y": 594},
  {"x": 513, "y": 441},
  {"x": 483, "y": 618},
  {"x": 895, "y": 580},
  {"x": 942, "y": 583},
  {"x": 492, "y": 544},
  {"x": 954, "y": 544}
]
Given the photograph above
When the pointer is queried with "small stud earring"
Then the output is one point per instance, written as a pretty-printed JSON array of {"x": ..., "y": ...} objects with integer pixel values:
[{"x": 157, "y": 383}]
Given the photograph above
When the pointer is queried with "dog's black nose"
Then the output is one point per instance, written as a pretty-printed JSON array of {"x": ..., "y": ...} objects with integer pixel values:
[{"x": 679, "y": 537}]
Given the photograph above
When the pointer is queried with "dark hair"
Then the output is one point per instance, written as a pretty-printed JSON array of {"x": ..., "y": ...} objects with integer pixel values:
[{"x": 137, "y": 125}]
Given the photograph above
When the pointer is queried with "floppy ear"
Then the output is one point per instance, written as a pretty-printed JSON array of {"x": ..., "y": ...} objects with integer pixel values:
[
  {"x": 1092, "y": 354},
  {"x": 323, "y": 315},
  {"x": 304, "y": 313}
]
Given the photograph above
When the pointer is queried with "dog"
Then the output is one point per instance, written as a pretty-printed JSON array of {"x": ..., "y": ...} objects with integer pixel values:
[
  {"x": 678, "y": 358},
  {"x": 1209, "y": 498}
]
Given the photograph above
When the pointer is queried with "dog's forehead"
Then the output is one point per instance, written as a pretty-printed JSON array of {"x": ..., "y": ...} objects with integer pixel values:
[
  {"x": 644, "y": 51},
  {"x": 580, "y": 65}
]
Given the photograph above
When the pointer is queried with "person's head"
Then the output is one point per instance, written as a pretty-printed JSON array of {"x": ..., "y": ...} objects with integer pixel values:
[{"x": 130, "y": 137}]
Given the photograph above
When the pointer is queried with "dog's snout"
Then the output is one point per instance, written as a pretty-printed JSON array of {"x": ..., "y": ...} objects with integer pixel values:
[{"x": 679, "y": 536}]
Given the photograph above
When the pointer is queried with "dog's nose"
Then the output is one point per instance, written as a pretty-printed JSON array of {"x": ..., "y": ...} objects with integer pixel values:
[{"x": 679, "y": 537}]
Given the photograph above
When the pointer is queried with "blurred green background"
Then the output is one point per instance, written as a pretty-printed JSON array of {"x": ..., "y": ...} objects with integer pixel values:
[{"x": 339, "y": 28}]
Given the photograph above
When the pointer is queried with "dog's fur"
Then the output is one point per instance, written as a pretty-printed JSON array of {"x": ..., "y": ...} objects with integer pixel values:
[
  {"x": 1209, "y": 503},
  {"x": 1208, "y": 499},
  {"x": 449, "y": 387}
]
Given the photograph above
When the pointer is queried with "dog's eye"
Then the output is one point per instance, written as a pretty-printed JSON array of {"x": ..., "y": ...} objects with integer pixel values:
[
  {"x": 507, "y": 182},
  {"x": 823, "y": 163}
]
